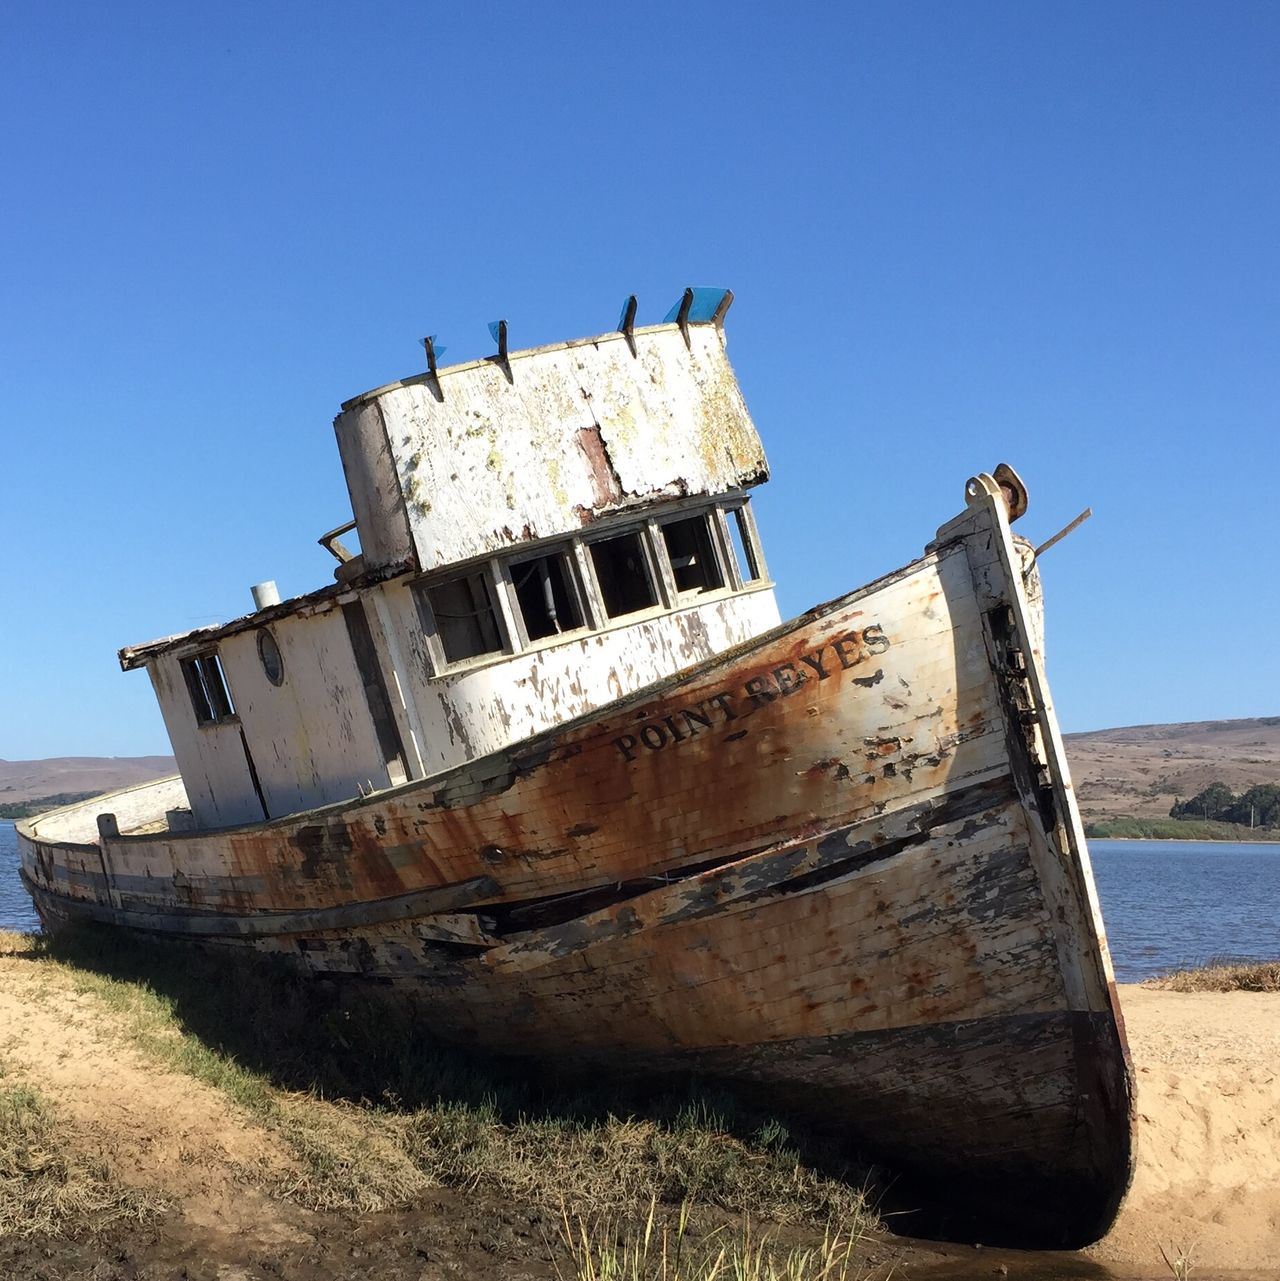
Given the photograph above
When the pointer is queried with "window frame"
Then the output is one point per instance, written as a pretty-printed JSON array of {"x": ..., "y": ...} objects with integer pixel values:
[
  {"x": 739, "y": 509},
  {"x": 196, "y": 668},
  {"x": 264, "y": 637},
  {"x": 499, "y": 575},
  {"x": 715, "y": 542},
  {"x": 656, "y": 566},
  {"x": 509, "y": 568},
  {"x": 488, "y": 572}
]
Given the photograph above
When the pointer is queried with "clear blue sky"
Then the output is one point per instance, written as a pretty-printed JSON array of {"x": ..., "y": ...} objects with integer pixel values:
[{"x": 957, "y": 233}]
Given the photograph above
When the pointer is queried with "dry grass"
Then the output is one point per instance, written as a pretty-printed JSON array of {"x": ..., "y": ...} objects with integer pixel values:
[
  {"x": 619, "y": 1163},
  {"x": 1181, "y": 1263},
  {"x": 1257, "y": 976},
  {"x": 45, "y": 1187},
  {"x": 665, "y": 1249},
  {"x": 372, "y": 1111},
  {"x": 346, "y": 1157}
]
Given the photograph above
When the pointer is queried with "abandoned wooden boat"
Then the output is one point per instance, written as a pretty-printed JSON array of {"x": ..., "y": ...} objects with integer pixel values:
[{"x": 544, "y": 757}]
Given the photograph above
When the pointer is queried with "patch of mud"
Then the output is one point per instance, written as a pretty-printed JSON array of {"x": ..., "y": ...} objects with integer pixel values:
[{"x": 448, "y": 1236}]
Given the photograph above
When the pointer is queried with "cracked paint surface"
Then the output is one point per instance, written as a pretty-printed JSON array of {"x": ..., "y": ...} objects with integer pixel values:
[{"x": 576, "y": 432}]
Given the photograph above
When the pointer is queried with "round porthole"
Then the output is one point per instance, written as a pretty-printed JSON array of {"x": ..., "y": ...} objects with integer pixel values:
[{"x": 269, "y": 653}]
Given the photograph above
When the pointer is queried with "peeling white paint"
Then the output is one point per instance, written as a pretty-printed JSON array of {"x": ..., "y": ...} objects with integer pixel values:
[
  {"x": 311, "y": 738},
  {"x": 475, "y": 711},
  {"x": 492, "y": 455}
]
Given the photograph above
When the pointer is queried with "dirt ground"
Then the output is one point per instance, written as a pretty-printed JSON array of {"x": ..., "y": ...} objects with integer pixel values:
[{"x": 1209, "y": 1098}]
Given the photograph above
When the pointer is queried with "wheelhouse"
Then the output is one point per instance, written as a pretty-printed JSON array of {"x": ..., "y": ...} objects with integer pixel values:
[{"x": 540, "y": 533}]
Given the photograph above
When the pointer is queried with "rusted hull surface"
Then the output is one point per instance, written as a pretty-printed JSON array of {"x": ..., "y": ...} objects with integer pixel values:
[
  {"x": 749, "y": 749},
  {"x": 841, "y": 864}
]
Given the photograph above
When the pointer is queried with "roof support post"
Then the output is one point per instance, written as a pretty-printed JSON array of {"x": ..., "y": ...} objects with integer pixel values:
[
  {"x": 627, "y": 323},
  {"x": 682, "y": 316}
]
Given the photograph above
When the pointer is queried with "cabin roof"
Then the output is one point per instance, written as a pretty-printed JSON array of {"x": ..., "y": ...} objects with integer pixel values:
[
  {"x": 317, "y": 602},
  {"x": 513, "y": 357},
  {"x": 325, "y": 598}
]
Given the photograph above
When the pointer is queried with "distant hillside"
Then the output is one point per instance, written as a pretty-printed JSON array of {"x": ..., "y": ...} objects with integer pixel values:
[
  {"x": 28, "y": 780},
  {"x": 1141, "y": 770},
  {"x": 1136, "y": 771}
]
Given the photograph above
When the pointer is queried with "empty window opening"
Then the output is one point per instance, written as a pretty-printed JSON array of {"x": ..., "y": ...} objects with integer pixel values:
[
  {"x": 465, "y": 618},
  {"x": 547, "y": 595},
  {"x": 208, "y": 688},
  {"x": 743, "y": 546},
  {"x": 623, "y": 573},
  {"x": 692, "y": 553}
]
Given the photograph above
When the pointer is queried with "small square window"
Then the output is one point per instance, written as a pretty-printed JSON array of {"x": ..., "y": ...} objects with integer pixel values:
[
  {"x": 547, "y": 595},
  {"x": 693, "y": 557},
  {"x": 465, "y": 618},
  {"x": 622, "y": 570},
  {"x": 207, "y": 686}
]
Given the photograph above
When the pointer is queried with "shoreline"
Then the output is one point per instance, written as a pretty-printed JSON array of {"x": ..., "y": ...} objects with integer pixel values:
[{"x": 1181, "y": 840}]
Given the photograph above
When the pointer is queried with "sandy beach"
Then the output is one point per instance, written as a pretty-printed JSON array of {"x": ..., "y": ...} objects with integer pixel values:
[{"x": 1208, "y": 1174}]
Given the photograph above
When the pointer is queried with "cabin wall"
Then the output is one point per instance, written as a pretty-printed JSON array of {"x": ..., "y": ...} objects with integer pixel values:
[
  {"x": 492, "y": 455},
  {"x": 467, "y": 713},
  {"x": 210, "y": 758},
  {"x": 311, "y": 739},
  {"x": 621, "y": 432}
]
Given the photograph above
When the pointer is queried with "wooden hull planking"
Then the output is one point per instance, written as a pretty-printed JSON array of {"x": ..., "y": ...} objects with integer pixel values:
[{"x": 840, "y": 866}]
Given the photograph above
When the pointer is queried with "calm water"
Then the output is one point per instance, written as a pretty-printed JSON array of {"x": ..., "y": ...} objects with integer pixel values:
[
  {"x": 16, "y": 912},
  {"x": 1172, "y": 904},
  {"x": 1166, "y": 903}
]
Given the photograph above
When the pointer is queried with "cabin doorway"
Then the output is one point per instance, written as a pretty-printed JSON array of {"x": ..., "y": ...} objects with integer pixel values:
[{"x": 375, "y": 691}]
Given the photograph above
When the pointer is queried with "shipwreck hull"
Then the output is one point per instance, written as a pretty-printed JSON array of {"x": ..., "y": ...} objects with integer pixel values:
[{"x": 840, "y": 866}]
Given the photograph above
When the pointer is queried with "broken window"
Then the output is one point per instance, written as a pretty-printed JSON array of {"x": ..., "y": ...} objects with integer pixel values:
[
  {"x": 742, "y": 541},
  {"x": 208, "y": 688},
  {"x": 622, "y": 569},
  {"x": 465, "y": 618},
  {"x": 692, "y": 553},
  {"x": 547, "y": 594}
]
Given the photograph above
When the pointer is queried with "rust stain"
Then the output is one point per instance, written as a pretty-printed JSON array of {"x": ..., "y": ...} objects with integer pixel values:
[{"x": 604, "y": 479}]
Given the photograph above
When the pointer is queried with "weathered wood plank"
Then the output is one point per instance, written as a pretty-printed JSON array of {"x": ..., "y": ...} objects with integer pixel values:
[
  {"x": 826, "y": 864},
  {"x": 203, "y": 923}
]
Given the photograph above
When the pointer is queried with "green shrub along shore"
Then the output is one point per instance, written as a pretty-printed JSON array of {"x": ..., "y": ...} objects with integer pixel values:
[
  {"x": 1215, "y": 814},
  {"x": 1176, "y": 829},
  {"x": 38, "y": 805}
]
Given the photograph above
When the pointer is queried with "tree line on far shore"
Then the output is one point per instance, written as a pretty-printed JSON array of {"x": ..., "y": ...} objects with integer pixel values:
[
  {"x": 1258, "y": 807},
  {"x": 38, "y": 804}
]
